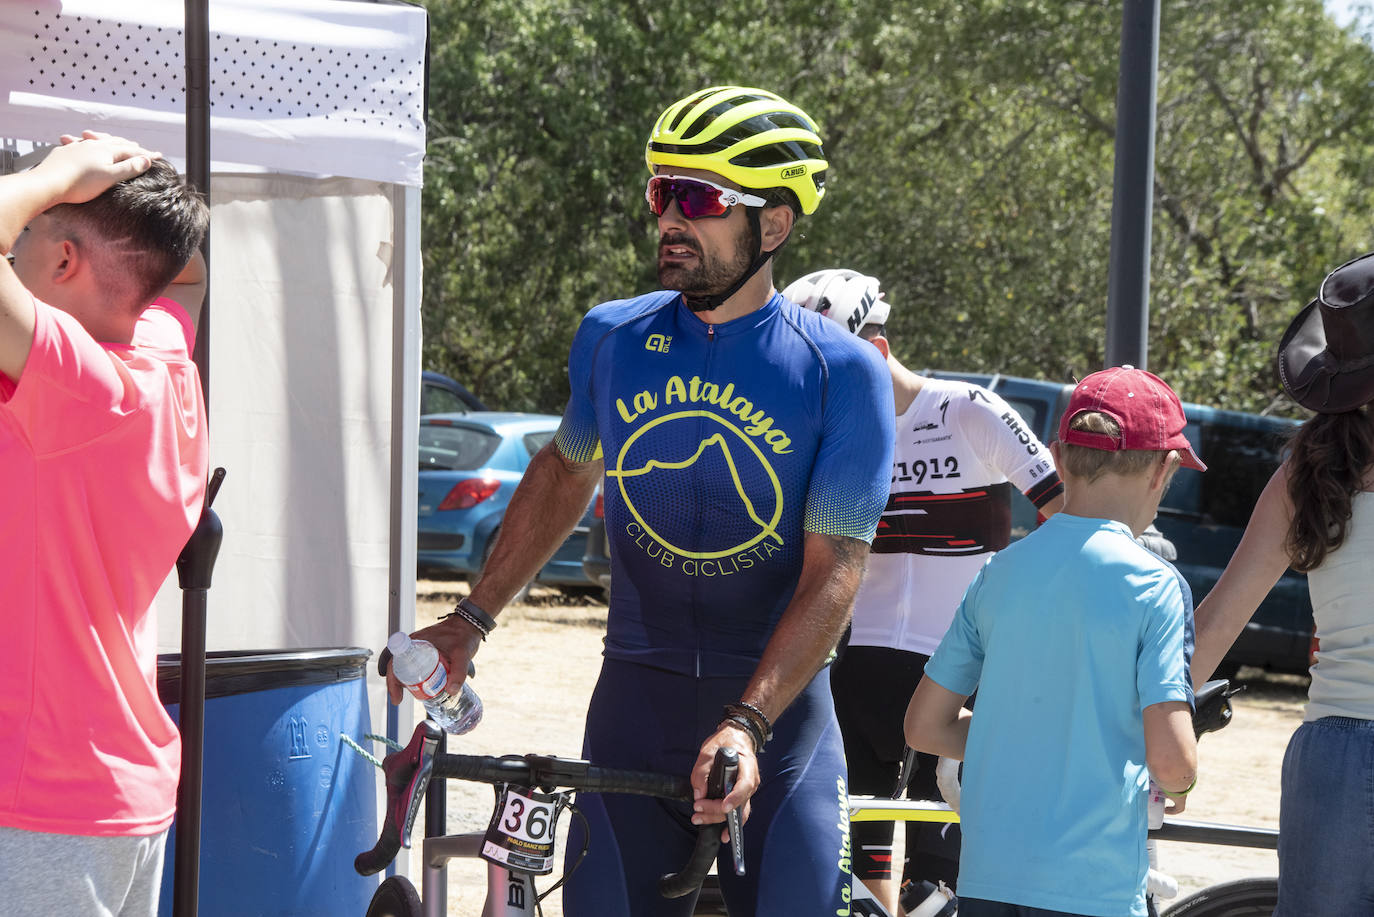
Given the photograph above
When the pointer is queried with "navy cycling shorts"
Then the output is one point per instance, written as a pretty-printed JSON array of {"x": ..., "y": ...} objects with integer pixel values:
[{"x": 796, "y": 841}]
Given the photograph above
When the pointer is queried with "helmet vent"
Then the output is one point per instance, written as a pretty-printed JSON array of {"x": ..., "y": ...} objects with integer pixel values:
[{"x": 784, "y": 152}]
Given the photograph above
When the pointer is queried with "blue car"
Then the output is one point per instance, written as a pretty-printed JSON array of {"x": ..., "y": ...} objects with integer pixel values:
[{"x": 470, "y": 464}]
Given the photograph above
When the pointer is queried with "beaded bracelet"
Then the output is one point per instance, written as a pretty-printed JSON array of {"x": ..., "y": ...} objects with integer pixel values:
[
  {"x": 754, "y": 715},
  {"x": 749, "y": 727},
  {"x": 471, "y": 613}
]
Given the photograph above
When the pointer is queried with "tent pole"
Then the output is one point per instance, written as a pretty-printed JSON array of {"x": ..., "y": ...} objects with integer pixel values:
[{"x": 198, "y": 557}]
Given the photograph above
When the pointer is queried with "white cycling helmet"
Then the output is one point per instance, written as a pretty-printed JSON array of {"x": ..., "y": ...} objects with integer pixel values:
[{"x": 844, "y": 296}]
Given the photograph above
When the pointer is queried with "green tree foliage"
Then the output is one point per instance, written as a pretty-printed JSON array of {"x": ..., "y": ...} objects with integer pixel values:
[{"x": 971, "y": 150}]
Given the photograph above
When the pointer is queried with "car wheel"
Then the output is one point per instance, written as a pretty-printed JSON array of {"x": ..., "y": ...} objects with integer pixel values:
[{"x": 486, "y": 555}]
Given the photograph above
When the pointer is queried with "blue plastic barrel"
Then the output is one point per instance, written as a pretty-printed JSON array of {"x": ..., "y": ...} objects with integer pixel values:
[{"x": 286, "y": 805}]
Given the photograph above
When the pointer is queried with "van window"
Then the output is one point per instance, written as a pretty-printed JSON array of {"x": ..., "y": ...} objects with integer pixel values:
[{"x": 1240, "y": 460}]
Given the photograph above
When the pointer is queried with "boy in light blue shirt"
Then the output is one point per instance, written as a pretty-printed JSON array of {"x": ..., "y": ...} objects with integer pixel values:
[{"x": 1077, "y": 640}]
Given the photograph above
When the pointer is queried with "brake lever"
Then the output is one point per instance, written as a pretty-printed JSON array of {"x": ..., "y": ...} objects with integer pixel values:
[
  {"x": 719, "y": 783},
  {"x": 905, "y": 770},
  {"x": 409, "y": 772}
]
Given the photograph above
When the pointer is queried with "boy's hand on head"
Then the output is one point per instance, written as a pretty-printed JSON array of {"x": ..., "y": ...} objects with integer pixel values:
[{"x": 83, "y": 167}]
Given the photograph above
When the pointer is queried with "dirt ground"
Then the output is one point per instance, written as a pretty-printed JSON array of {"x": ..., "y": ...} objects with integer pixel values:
[{"x": 535, "y": 677}]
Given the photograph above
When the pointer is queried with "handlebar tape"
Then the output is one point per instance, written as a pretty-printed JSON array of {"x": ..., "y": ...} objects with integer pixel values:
[
  {"x": 689, "y": 878},
  {"x": 409, "y": 771}
]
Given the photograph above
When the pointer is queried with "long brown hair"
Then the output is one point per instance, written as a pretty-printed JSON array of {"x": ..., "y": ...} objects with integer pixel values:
[{"x": 1328, "y": 460}]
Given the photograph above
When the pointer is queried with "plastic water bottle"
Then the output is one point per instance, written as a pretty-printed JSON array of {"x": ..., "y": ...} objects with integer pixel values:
[{"x": 418, "y": 666}]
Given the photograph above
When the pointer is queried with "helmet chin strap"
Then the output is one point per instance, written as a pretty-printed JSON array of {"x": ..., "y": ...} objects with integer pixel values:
[{"x": 707, "y": 303}]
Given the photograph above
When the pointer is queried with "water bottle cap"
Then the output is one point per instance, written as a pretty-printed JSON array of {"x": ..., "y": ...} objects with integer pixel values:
[{"x": 398, "y": 642}]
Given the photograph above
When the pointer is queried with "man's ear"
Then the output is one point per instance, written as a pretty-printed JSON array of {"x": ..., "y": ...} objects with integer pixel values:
[
  {"x": 775, "y": 225},
  {"x": 68, "y": 262},
  {"x": 880, "y": 342}
]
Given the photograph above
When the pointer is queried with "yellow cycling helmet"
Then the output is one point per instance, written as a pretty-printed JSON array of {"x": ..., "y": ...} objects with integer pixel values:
[{"x": 753, "y": 137}]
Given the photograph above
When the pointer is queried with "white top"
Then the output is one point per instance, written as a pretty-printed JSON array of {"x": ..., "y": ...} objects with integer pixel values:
[
  {"x": 1342, "y": 590},
  {"x": 959, "y": 449}
]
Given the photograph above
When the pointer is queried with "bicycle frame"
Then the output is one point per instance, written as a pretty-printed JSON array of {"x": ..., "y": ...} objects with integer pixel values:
[{"x": 509, "y": 894}]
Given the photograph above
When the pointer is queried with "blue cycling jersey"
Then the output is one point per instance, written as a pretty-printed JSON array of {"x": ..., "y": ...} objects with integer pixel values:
[{"x": 723, "y": 444}]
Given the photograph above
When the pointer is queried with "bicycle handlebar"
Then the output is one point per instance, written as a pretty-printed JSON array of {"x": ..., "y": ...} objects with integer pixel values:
[{"x": 409, "y": 771}]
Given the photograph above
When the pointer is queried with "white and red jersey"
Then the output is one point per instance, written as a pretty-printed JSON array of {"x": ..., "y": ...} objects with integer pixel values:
[{"x": 959, "y": 449}]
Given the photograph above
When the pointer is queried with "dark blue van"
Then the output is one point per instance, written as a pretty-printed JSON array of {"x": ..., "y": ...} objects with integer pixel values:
[{"x": 1203, "y": 514}]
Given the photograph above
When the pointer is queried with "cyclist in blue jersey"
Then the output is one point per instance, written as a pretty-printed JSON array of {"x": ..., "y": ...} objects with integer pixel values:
[{"x": 745, "y": 446}]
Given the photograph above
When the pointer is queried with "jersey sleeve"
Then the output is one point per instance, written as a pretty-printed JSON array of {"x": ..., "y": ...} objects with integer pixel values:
[
  {"x": 1008, "y": 445},
  {"x": 577, "y": 437},
  {"x": 957, "y": 663},
  {"x": 853, "y": 470},
  {"x": 1164, "y": 659}
]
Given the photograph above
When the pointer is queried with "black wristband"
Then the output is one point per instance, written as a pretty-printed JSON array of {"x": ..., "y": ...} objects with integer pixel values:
[
  {"x": 754, "y": 715},
  {"x": 474, "y": 615},
  {"x": 750, "y": 728}
]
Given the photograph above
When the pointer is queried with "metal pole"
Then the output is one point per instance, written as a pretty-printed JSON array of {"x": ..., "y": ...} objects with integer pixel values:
[
  {"x": 1128, "y": 287},
  {"x": 198, "y": 557}
]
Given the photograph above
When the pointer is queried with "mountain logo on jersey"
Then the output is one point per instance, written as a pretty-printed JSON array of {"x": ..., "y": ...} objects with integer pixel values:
[{"x": 698, "y": 480}]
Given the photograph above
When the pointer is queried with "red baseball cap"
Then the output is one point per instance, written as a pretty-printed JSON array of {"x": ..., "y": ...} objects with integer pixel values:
[{"x": 1142, "y": 404}]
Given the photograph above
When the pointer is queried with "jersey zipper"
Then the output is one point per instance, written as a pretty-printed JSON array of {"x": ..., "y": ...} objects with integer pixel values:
[{"x": 696, "y": 598}]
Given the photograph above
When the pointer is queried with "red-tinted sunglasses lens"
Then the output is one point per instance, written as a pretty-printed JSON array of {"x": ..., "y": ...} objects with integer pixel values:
[{"x": 694, "y": 199}]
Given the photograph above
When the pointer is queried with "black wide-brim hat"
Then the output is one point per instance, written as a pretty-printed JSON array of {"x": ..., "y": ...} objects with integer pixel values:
[{"x": 1326, "y": 357}]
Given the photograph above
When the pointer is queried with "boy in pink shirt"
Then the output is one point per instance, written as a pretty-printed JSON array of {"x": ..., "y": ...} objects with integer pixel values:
[{"x": 102, "y": 475}]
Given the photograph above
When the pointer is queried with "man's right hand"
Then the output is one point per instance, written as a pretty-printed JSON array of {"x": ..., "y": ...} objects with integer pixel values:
[{"x": 457, "y": 642}]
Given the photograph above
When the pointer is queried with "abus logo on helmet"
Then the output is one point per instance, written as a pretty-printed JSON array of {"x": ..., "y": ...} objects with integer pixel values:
[{"x": 794, "y": 172}]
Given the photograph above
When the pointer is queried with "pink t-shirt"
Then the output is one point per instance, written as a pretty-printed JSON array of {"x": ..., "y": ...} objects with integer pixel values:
[{"x": 103, "y": 458}]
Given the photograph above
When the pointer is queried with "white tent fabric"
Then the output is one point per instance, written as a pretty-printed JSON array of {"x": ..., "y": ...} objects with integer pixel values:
[
  {"x": 300, "y": 413},
  {"x": 308, "y": 86}
]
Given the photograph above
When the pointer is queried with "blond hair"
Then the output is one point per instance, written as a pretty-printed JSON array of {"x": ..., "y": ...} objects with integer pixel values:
[{"x": 1090, "y": 464}]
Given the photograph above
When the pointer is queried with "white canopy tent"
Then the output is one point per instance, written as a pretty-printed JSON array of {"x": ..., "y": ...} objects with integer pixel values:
[{"x": 317, "y": 139}]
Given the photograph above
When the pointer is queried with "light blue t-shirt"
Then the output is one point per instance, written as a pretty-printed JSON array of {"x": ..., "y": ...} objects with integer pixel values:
[{"x": 1068, "y": 635}]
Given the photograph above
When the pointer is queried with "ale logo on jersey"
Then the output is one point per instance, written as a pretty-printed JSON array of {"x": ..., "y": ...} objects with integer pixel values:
[{"x": 697, "y": 478}]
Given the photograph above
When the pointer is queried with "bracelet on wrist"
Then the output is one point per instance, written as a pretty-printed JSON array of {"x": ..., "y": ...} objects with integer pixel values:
[
  {"x": 754, "y": 715},
  {"x": 748, "y": 727},
  {"x": 474, "y": 615},
  {"x": 1181, "y": 793}
]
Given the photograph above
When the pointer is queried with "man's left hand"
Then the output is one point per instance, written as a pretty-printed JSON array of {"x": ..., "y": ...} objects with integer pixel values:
[{"x": 710, "y": 811}]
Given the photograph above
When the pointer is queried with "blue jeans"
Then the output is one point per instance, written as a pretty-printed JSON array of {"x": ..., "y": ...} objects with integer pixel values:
[{"x": 1326, "y": 820}]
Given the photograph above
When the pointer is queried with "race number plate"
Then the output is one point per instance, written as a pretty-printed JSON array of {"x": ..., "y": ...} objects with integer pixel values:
[{"x": 523, "y": 825}]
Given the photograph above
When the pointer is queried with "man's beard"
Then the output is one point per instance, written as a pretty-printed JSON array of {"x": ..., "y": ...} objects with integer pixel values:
[{"x": 710, "y": 276}]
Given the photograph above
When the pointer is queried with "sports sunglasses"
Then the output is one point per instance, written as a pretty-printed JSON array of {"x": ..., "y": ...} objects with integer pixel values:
[{"x": 695, "y": 197}]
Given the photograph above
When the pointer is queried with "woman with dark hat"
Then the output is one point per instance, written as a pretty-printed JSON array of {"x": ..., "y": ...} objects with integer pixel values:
[{"x": 1317, "y": 516}]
